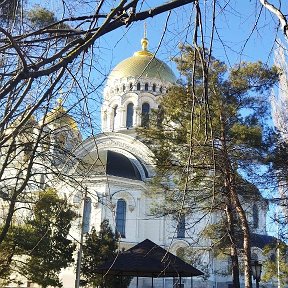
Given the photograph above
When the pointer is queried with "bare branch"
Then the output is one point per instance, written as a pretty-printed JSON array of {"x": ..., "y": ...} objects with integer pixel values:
[{"x": 281, "y": 17}]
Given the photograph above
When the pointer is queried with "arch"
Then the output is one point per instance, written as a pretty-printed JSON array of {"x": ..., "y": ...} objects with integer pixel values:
[
  {"x": 255, "y": 214},
  {"x": 154, "y": 87},
  {"x": 145, "y": 114},
  {"x": 160, "y": 89},
  {"x": 121, "y": 166},
  {"x": 129, "y": 97},
  {"x": 138, "y": 86},
  {"x": 123, "y": 87},
  {"x": 178, "y": 244},
  {"x": 129, "y": 115},
  {"x": 28, "y": 146},
  {"x": 120, "y": 218},
  {"x": 118, "y": 142},
  {"x": 130, "y": 86},
  {"x": 129, "y": 199},
  {"x": 146, "y": 87}
]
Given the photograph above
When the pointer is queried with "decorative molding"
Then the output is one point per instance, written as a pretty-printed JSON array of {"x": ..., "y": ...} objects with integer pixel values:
[
  {"x": 131, "y": 203},
  {"x": 178, "y": 243},
  {"x": 121, "y": 143},
  {"x": 111, "y": 90}
]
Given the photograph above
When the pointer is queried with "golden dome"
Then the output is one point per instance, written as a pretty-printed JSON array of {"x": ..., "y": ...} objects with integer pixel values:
[
  {"x": 31, "y": 122},
  {"x": 59, "y": 117},
  {"x": 143, "y": 64}
]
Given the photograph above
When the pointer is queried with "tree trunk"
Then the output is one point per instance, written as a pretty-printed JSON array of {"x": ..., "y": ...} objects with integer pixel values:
[
  {"x": 230, "y": 184},
  {"x": 233, "y": 247},
  {"x": 246, "y": 233}
]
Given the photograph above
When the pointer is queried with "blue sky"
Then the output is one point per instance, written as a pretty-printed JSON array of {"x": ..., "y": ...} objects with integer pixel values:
[
  {"x": 245, "y": 32},
  {"x": 237, "y": 38}
]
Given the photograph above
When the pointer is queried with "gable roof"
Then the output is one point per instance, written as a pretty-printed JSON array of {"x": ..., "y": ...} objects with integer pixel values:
[{"x": 147, "y": 259}]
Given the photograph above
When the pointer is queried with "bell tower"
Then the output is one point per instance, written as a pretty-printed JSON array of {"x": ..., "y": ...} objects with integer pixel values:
[{"x": 133, "y": 89}]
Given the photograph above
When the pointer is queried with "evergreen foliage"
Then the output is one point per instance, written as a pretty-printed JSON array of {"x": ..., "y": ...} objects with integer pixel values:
[
  {"x": 277, "y": 254},
  {"x": 279, "y": 140},
  {"x": 100, "y": 247},
  {"x": 213, "y": 129},
  {"x": 42, "y": 241},
  {"x": 190, "y": 140},
  {"x": 40, "y": 17}
]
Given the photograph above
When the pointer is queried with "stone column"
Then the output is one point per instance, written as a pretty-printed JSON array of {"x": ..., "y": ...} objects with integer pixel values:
[
  {"x": 137, "y": 116},
  {"x": 122, "y": 117}
]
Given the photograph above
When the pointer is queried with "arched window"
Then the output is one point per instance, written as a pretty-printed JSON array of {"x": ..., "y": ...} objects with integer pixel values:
[
  {"x": 129, "y": 116},
  {"x": 124, "y": 87},
  {"x": 161, "y": 89},
  {"x": 131, "y": 86},
  {"x": 255, "y": 216},
  {"x": 181, "y": 227},
  {"x": 138, "y": 86},
  {"x": 154, "y": 87},
  {"x": 121, "y": 217},
  {"x": 145, "y": 115},
  {"x": 117, "y": 89},
  {"x": 115, "y": 111},
  {"x": 146, "y": 86}
]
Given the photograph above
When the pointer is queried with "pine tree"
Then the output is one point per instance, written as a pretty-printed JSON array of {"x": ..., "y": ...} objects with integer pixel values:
[
  {"x": 276, "y": 263},
  {"x": 279, "y": 101},
  {"x": 100, "y": 247},
  {"x": 42, "y": 240},
  {"x": 212, "y": 128}
]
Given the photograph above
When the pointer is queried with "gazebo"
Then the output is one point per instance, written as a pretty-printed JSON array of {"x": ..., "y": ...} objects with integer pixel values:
[{"x": 147, "y": 259}]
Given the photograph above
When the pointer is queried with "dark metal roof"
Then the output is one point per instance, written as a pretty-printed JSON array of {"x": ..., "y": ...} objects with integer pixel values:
[
  {"x": 260, "y": 241},
  {"x": 147, "y": 259},
  {"x": 121, "y": 166},
  {"x": 257, "y": 240}
]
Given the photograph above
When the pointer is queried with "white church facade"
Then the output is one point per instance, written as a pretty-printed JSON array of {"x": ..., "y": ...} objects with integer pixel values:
[{"x": 116, "y": 168}]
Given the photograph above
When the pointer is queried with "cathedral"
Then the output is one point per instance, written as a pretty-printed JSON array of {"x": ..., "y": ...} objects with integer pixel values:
[{"x": 116, "y": 168}]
